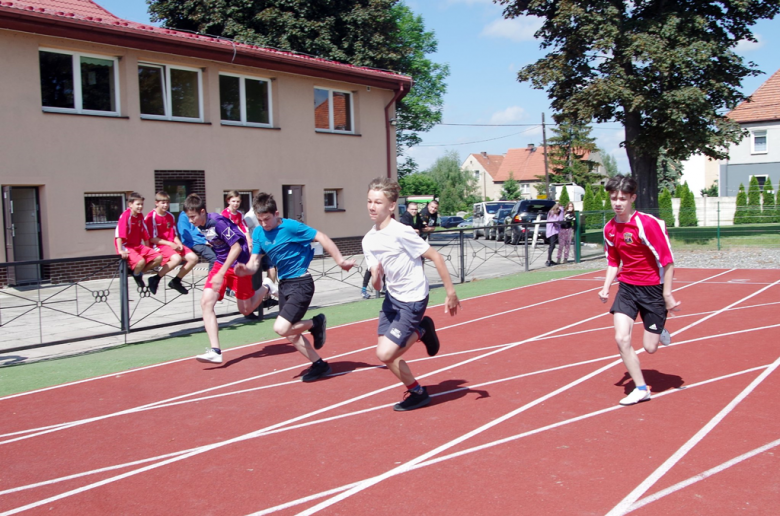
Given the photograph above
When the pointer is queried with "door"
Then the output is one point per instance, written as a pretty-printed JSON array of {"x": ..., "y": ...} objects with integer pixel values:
[
  {"x": 293, "y": 203},
  {"x": 20, "y": 206}
]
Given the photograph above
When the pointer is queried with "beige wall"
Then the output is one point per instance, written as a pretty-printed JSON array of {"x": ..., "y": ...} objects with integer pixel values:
[{"x": 68, "y": 155}]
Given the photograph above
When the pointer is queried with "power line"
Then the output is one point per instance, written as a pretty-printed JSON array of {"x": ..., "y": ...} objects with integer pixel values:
[{"x": 478, "y": 141}]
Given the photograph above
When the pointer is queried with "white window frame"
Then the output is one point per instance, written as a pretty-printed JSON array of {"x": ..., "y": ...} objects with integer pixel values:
[
  {"x": 330, "y": 111},
  {"x": 760, "y": 183},
  {"x": 108, "y": 223},
  {"x": 77, "y": 93},
  {"x": 167, "y": 93},
  {"x": 759, "y": 134},
  {"x": 242, "y": 95},
  {"x": 335, "y": 192}
]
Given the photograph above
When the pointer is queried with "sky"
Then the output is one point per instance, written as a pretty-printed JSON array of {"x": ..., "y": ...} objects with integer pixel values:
[{"x": 484, "y": 52}]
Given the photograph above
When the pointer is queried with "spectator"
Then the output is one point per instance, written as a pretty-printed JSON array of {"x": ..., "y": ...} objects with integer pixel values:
[
  {"x": 567, "y": 232},
  {"x": 554, "y": 218},
  {"x": 430, "y": 218},
  {"x": 412, "y": 218}
]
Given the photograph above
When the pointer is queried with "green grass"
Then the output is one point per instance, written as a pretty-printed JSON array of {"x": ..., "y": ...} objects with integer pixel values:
[{"x": 37, "y": 375}]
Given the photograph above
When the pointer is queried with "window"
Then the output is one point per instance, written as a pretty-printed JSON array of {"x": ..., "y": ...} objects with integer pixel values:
[
  {"x": 759, "y": 142},
  {"x": 169, "y": 93},
  {"x": 78, "y": 83},
  {"x": 331, "y": 199},
  {"x": 244, "y": 100},
  {"x": 246, "y": 200},
  {"x": 332, "y": 111},
  {"x": 102, "y": 210},
  {"x": 761, "y": 180}
]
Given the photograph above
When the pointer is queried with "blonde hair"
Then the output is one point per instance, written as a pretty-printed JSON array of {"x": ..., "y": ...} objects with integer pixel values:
[
  {"x": 389, "y": 187},
  {"x": 556, "y": 209}
]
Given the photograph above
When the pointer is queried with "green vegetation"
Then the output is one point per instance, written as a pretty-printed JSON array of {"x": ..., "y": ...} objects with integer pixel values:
[
  {"x": 665, "y": 210},
  {"x": 687, "y": 215},
  {"x": 740, "y": 215}
]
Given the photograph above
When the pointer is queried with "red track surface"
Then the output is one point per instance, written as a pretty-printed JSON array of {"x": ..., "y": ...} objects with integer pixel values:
[{"x": 248, "y": 437}]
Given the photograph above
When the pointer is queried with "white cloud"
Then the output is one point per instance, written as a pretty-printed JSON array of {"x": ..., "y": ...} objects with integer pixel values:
[
  {"x": 746, "y": 46},
  {"x": 509, "y": 115},
  {"x": 515, "y": 29}
]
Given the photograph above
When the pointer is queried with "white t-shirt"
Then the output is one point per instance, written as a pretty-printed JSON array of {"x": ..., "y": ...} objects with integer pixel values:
[{"x": 398, "y": 248}]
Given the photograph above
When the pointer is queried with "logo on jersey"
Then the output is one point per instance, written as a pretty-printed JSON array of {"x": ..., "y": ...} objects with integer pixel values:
[
  {"x": 628, "y": 238},
  {"x": 228, "y": 234}
]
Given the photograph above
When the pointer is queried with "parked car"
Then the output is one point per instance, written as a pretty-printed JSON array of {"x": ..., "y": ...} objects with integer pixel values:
[
  {"x": 450, "y": 222},
  {"x": 529, "y": 210},
  {"x": 483, "y": 214},
  {"x": 467, "y": 223},
  {"x": 495, "y": 230}
]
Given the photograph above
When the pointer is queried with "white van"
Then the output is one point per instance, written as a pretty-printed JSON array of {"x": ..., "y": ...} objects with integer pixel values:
[
  {"x": 483, "y": 214},
  {"x": 576, "y": 192}
]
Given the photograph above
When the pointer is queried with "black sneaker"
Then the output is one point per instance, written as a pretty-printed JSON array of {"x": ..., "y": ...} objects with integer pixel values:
[
  {"x": 413, "y": 401},
  {"x": 252, "y": 315},
  {"x": 270, "y": 303},
  {"x": 176, "y": 285},
  {"x": 316, "y": 372},
  {"x": 429, "y": 337},
  {"x": 154, "y": 282},
  {"x": 139, "y": 280},
  {"x": 318, "y": 330}
]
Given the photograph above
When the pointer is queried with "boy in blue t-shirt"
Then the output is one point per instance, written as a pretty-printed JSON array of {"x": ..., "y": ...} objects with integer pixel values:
[{"x": 287, "y": 243}]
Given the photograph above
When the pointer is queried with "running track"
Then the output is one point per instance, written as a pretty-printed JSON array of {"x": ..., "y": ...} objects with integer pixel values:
[{"x": 524, "y": 419}]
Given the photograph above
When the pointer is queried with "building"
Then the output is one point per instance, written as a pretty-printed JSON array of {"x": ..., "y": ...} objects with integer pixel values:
[
  {"x": 485, "y": 168},
  {"x": 95, "y": 107}
]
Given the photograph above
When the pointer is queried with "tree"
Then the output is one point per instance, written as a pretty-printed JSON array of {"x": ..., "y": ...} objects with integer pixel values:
[
  {"x": 590, "y": 205},
  {"x": 457, "y": 187},
  {"x": 669, "y": 172},
  {"x": 753, "y": 214},
  {"x": 741, "y": 211},
  {"x": 768, "y": 202},
  {"x": 665, "y": 211},
  {"x": 566, "y": 148},
  {"x": 419, "y": 184},
  {"x": 687, "y": 215},
  {"x": 665, "y": 69},
  {"x": 510, "y": 191},
  {"x": 381, "y": 34},
  {"x": 712, "y": 190},
  {"x": 564, "y": 200},
  {"x": 610, "y": 164}
]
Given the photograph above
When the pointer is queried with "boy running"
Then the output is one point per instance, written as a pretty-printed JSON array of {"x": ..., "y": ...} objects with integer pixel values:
[
  {"x": 639, "y": 255},
  {"x": 129, "y": 239},
  {"x": 229, "y": 244},
  {"x": 162, "y": 228},
  {"x": 287, "y": 243},
  {"x": 394, "y": 250}
]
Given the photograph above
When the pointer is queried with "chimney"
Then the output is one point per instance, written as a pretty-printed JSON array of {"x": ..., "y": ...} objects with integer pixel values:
[
  {"x": 484, "y": 153},
  {"x": 530, "y": 146}
]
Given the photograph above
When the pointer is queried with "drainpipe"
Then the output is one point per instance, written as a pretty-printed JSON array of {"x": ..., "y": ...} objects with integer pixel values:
[{"x": 391, "y": 127}]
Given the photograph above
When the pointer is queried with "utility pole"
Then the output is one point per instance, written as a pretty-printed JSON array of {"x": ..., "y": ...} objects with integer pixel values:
[{"x": 546, "y": 171}]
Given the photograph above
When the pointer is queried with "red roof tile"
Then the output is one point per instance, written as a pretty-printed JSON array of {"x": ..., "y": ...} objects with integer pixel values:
[
  {"x": 525, "y": 164},
  {"x": 764, "y": 105},
  {"x": 490, "y": 162}
]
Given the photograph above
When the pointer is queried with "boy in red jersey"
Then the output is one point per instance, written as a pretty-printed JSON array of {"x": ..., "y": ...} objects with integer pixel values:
[
  {"x": 640, "y": 256},
  {"x": 162, "y": 228},
  {"x": 129, "y": 239}
]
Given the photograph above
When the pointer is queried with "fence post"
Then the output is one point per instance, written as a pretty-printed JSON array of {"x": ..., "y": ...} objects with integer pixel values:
[
  {"x": 124, "y": 297},
  {"x": 718, "y": 230},
  {"x": 577, "y": 244},
  {"x": 462, "y": 256},
  {"x": 525, "y": 243}
]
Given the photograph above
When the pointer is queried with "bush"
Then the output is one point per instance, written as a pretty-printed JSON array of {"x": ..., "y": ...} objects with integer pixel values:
[
  {"x": 688, "y": 209},
  {"x": 768, "y": 203},
  {"x": 753, "y": 214},
  {"x": 665, "y": 211},
  {"x": 564, "y": 200},
  {"x": 739, "y": 214}
]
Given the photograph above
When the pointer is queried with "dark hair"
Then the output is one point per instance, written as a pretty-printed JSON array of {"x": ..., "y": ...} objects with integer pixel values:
[
  {"x": 264, "y": 203},
  {"x": 230, "y": 194},
  {"x": 194, "y": 202},
  {"x": 164, "y": 196},
  {"x": 434, "y": 201},
  {"x": 134, "y": 196},
  {"x": 389, "y": 187},
  {"x": 621, "y": 183}
]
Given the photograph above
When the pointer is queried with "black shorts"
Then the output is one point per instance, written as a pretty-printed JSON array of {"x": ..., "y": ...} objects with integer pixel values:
[
  {"x": 295, "y": 297},
  {"x": 646, "y": 300},
  {"x": 398, "y": 320}
]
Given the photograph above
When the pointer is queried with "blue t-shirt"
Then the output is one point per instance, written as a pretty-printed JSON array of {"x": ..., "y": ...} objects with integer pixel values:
[
  {"x": 288, "y": 246},
  {"x": 222, "y": 234},
  {"x": 189, "y": 234}
]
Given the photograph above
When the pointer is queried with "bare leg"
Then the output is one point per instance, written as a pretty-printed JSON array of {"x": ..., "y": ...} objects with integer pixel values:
[
  {"x": 390, "y": 354},
  {"x": 650, "y": 341},
  {"x": 292, "y": 332},
  {"x": 207, "y": 303},
  {"x": 192, "y": 261},
  {"x": 623, "y": 326},
  {"x": 247, "y": 306}
]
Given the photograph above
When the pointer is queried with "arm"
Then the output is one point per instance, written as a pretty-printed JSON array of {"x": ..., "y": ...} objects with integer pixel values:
[
  {"x": 451, "y": 304},
  {"x": 377, "y": 272},
  {"x": 610, "y": 277},
  {"x": 122, "y": 252},
  {"x": 331, "y": 249},
  {"x": 251, "y": 266},
  {"x": 671, "y": 304}
]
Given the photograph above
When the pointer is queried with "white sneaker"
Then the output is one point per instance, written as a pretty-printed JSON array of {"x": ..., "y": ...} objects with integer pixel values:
[
  {"x": 272, "y": 288},
  {"x": 210, "y": 356},
  {"x": 666, "y": 337},
  {"x": 635, "y": 397}
]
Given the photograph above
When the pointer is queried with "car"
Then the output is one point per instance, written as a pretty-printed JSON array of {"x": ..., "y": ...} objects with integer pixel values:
[
  {"x": 467, "y": 223},
  {"x": 528, "y": 210},
  {"x": 483, "y": 214},
  {"x": 450, "y": 222},
  {"x": 495, "y": 229}
]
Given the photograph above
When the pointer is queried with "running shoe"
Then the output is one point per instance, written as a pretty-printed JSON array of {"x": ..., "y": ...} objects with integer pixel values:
[
  {"x": 273, "y": 290},
  {"x": 316, "y": 372},
  {"x": 318, "y": 330},
  {"x": 413, "y": 401},
  {"x": 635, "y": 397},
  {"x": 210, "y": 356},
  {"x": 666, "y": 337},
  {"x": 154, "y": 282},
  {"x": 429, "y": 337},
  {"x": 365, "y": 294},
  {"x": 176, "y": 285}
]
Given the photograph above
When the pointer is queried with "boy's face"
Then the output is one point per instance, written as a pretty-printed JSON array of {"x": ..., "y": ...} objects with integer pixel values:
[
  {"x": 162, "y": 205},
  {"x": 234, "y": 203},
  {"x": 621, "y": 202},
  {"x": 268, "y": 221},
  {"x": 379, "y": 207},
  {"x": 137, "y": 206},
  {"x": 197, "y": 218}
]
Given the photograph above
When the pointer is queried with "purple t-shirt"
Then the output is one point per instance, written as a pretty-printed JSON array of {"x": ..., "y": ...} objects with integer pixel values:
[{"x": 221, "y": 233}]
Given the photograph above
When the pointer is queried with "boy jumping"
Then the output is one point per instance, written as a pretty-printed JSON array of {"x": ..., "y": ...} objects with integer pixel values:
[
  {"x": 287, "y": 243},
  {"x": 130, "y": 238},
  {"x": 640, "y": 256},
  {"x": 394, "y": 250},
  {"x": 229, "y": 244}
]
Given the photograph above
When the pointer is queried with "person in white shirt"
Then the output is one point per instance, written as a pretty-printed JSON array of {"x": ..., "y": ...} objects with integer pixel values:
[{"x": 395, "y": 251}]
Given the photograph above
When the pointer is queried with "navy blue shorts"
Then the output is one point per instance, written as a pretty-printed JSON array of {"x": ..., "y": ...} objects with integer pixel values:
[
  {"x": 646, "y": 300},
  {"x": 295, "y": 297},
  {"x": 398, "y": 320}
]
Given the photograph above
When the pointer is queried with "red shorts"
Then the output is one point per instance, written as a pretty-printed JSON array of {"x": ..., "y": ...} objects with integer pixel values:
[
  {"x": 169, "y": 252},
  {"x": 141, "y": 252},
  {"x": 241, "y": 285}
]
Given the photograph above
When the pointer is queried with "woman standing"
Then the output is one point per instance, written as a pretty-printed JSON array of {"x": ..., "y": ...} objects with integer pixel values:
[
  {"x": 567, "y": 232},
  {"x": 554, "y": 218}
]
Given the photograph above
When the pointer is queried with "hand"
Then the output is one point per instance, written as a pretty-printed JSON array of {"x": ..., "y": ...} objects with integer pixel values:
[
  {"x": 178, "y": 247},
  {"x": 671, "y": 304},
  {"x": 452, "y": 304},
  {"x": 347, "y": 264},
  {"x": 216, "y": 281},
  {"x": 124, "y": 254},
  {"x": 241, "y": 270},
  {"x": 604, "y": 295}
]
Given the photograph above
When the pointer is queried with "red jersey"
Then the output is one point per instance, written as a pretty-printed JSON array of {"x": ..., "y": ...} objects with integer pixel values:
[
  {"x": 161, "y": 226},
  {"x": 641, "y": 245},
  {"x": 131, "y": 229},
  {"x": 237, "y": 219}
]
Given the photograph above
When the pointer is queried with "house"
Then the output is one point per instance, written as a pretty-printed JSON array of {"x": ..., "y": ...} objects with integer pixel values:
[
  {"x": 95, "y": 107},
  {"x": 758, "y": 154}
]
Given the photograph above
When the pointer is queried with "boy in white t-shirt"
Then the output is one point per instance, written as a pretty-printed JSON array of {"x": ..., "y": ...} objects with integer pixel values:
[{"x": 394, "y": 251}]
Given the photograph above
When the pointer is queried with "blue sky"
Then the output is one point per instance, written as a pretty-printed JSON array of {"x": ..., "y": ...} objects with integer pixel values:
[{"x": 484, "y": 52}]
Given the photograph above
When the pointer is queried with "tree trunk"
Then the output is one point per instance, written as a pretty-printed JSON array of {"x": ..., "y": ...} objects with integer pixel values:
[{"x": 644, "y": 167}]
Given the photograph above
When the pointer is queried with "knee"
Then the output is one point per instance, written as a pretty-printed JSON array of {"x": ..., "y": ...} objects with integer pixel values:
[
  {"x": 245, "y": 309},
  {"x": 623, "y": 341},
  {"x": 384, "y": 356},
  {"x": 281, "y": 328}
]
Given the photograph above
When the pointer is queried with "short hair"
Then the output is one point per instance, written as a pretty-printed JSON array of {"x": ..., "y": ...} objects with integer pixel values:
[
  {"x": 264, "y": 203},
  {"x": 162, "y": 196},
  {"x": 621, "y": 183},
  {"x": 408, "y": 206},
  {"x": 389, "y": 187},
  {"x": 134, "y": 196},
  {"x": 434, "y": 201},
  {"x": 232, "y": 193},
  {"x": 194, "y": 202}
]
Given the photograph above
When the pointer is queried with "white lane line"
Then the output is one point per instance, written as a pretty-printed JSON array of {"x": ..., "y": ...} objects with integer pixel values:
[{"x": 701, "y": 476}]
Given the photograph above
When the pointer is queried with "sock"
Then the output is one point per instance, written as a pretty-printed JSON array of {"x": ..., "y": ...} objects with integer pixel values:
[
  {"x": 217, "y": 351},
  {"x": 415, "y": 387},
  {"x": 642, "y": 387}
]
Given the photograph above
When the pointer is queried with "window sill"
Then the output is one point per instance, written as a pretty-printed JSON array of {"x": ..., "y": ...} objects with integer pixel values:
[
  {"x": 196, "y": 122},
  {"x": 340, "y": 133},
  {"x": 266, "y": 127},
  {"x": 107, "y": 225},
  {"x": 74, "y": 113},
  {"x": 331, "y": 210}
]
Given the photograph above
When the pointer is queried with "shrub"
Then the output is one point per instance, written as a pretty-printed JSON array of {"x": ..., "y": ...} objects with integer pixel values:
[
  {"x": 564, "y": 200},
  {"x": 768, "y": 203},
  {"x": 688, "y": 210},
  {"x": 665, "y": 211},
  {"x": 739, "y": 214},
  {"x": 753, "y": 214}
]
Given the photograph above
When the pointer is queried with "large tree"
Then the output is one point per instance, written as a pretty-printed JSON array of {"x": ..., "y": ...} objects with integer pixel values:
[
  {"x": 665, "y": 69},
  {"x": 381, "y": 34},
  {"x": 457, "y": 187},
  {"x": 567, "y": 147}
]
